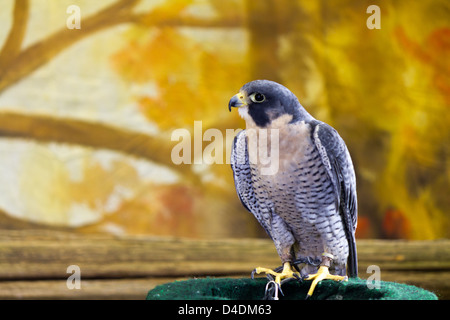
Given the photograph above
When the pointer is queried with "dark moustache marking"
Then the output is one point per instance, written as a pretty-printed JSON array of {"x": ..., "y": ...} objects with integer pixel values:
[{"x": 259, "y": 115}]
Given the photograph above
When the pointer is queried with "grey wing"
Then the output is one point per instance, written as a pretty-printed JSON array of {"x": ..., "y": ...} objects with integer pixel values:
[
  {"x": 337, "y": 160},
  {"x": 243, "y": 182}
]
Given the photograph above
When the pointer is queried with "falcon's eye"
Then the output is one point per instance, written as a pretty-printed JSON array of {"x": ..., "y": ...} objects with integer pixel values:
[{"x": 257, "y": 97}]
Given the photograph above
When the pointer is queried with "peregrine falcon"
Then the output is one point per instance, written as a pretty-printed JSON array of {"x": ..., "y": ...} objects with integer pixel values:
[{"x": 308, "y": 204}]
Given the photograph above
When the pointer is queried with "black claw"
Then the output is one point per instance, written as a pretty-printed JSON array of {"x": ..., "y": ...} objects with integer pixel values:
[
  {"x": 281, "y": 291},
  {"x": 278, "y": 270},
  {"x": 298, "y": 277}
]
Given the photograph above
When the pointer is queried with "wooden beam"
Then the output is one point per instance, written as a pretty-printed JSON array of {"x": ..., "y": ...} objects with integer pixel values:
[
  {"x": 33, "y": 263},
  {"x": 107, "y": 289}
]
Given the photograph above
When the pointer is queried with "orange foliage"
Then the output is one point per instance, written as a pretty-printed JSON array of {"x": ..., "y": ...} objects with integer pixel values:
[
  {"x": 396, "y": 224},
  {"x": 166, "y": 210},
  {"x": 435, "y": 53},
  {"x": 363, "y": 230},
  {"x": 192, "y": 83},
  {"x": 175, "y": 211}
]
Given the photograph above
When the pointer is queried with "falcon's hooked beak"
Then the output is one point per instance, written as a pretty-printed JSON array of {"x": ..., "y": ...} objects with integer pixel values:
[{"x": 238, "y": 100}]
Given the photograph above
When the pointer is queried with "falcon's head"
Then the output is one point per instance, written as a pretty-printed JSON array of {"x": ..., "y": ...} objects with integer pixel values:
[{"x": 260, "y": 102}]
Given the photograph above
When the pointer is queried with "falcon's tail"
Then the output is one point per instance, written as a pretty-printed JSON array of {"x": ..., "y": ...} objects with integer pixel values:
[{"x": 352, "y": 260}]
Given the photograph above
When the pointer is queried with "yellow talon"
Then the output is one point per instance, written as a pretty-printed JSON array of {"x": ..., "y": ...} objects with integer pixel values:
[
  {"x": 287, "y": 272},
  {"x": 284, "y": 274},
  {"x": 322, "y": 274}
]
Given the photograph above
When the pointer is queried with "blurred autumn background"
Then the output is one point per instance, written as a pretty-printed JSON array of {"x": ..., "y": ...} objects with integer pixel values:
[{"x": 86, "y": 115}]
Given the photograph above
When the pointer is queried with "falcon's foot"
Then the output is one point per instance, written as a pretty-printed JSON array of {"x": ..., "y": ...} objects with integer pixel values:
[
  {"x": 286, "y": 273},
  {"x": 322, "y": 274}
]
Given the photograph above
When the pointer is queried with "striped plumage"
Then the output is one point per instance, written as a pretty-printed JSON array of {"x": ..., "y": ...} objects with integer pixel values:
[{"x": 308, "y": 206}]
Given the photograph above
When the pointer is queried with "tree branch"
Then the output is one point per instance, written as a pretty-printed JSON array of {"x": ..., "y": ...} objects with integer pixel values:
[
  {"x": 13, "y": 43},
  {"x": 151, "y": 19},
  {"x": 40, "y": 53},
  {"x": 47, "y": 129},
  {"x": 96, "y": 135}
]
